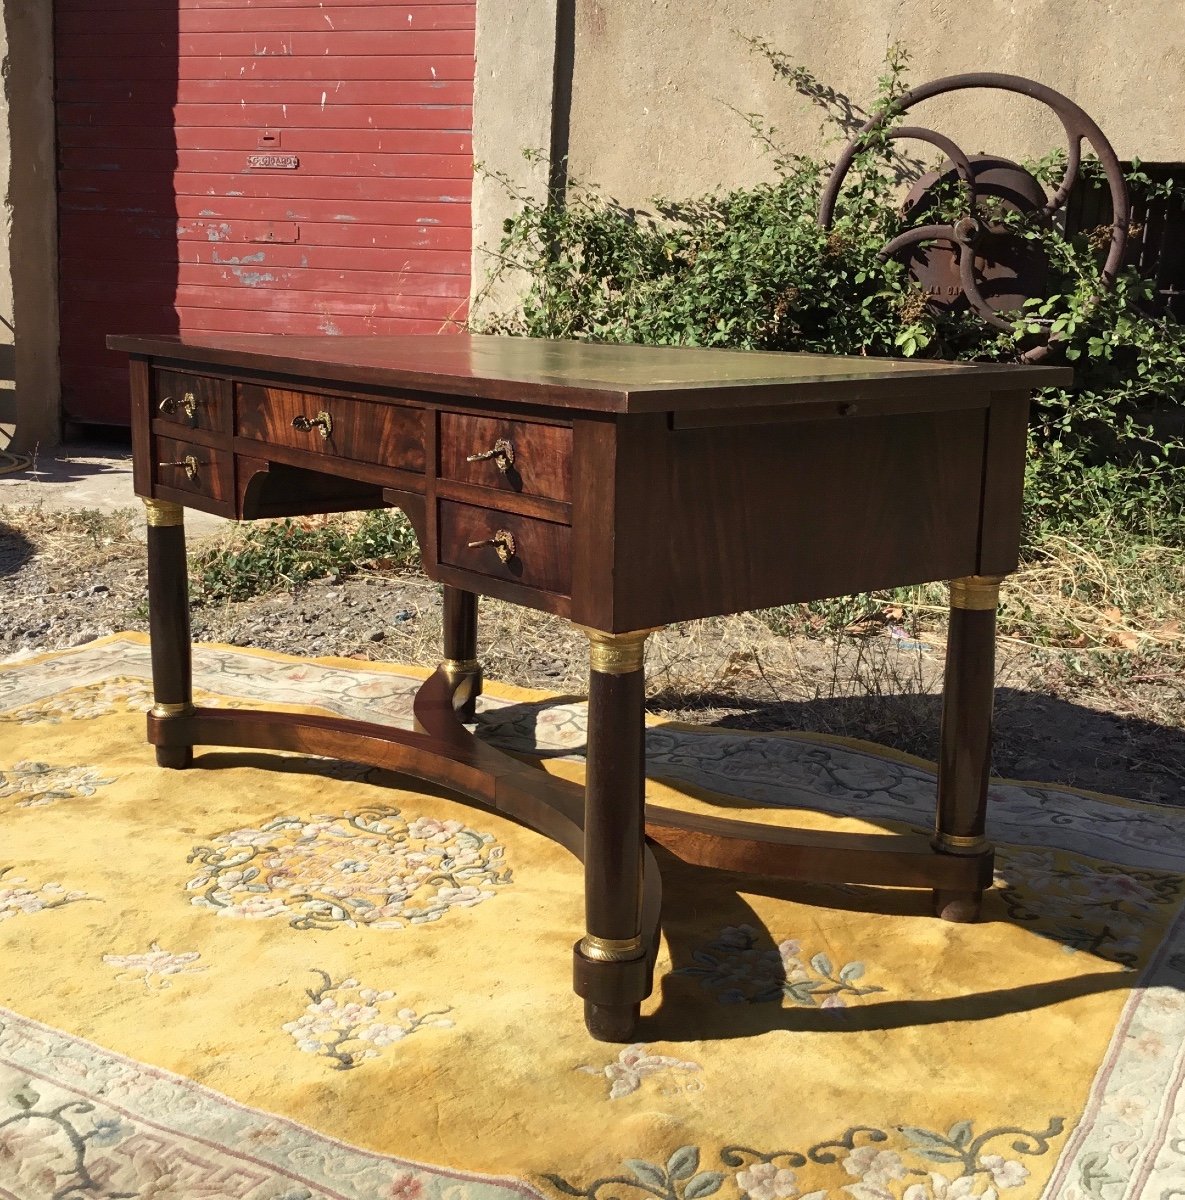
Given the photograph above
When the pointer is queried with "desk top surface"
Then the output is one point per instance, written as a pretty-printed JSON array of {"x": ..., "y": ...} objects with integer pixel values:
[{"x": 583, "y": 375}]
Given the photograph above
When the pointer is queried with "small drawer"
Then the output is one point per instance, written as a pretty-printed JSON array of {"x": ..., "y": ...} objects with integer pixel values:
[
  {"x": 514, "y": 456},
  {"x": 191, "y": 401},
  {"x": 388, "y": 434},
  {"x": 542, "y": 550},
  {"x": 199, "y": 470}
]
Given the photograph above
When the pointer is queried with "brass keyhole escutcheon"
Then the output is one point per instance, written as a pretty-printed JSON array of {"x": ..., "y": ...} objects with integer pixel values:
[
  {"x": 189, "y": 463},
  {"x": 502, "y": 454},
  {"x": 322, "y": 422},
  {"x": 188, "y": 405},
  {"x": 502, "y": 541}
]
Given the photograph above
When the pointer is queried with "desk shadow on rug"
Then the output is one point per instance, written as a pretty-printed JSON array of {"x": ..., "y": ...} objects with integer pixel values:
[
  {"x": 742, "y": 982},
  {"x": 731, "y": 977},
  {"x": 1038, "y": 736}
]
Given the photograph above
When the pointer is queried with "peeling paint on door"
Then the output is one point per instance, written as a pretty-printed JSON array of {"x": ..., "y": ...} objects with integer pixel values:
[{"x": 159, "y": 109}]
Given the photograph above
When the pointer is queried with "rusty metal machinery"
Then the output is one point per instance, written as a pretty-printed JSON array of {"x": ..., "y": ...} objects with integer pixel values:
[{"x": 976, "y": 260}]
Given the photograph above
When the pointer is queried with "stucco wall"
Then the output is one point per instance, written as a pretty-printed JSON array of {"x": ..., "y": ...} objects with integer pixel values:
[
  {"x": 651, "y": 87},
  {"x": 28, "y": 227},
  {"x": 513, "y": 109},
  {"x": 654, "y": 81}
]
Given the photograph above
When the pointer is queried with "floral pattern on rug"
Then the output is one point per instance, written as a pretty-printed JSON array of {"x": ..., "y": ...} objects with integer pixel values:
[
  {"x": 635, "y": 1063},
  {"x": 876, "y": 1164},
  {"x": 372, "y": 868},
  {"x": 1129, "y": 1140},
  {"x": 39, "y": 784},
  {"x": 122, "y": 694},
  {"x": 20, "y": 898},
  {"x": 346, "y": 1012},
  {"x": 108, "y": 1128},
  {"x": 739, "y": 970},
  {"x": 118, "y": 695},
  {"x": 155, "y": 967},
  {"x": 1083, "y": 903}
]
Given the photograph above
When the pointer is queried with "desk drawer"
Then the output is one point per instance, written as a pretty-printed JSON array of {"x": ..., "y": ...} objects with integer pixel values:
[
  {"x": 200, "y": 470},
  {"x": 390, "y": 435},
  {"x": 542, "y": 455},
  {"x": 191, "y": 401},
  {"x": 542, "y": 554}
]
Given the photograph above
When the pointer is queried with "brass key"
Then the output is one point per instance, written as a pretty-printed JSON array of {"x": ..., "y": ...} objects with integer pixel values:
[
  {"x": 502, "y": 541},
  {"x": 502, "y": 454},
  {"x": 188, "y": 405},
  {"x": 190, "y": 464},
  {"x": 322, "y": 422}
]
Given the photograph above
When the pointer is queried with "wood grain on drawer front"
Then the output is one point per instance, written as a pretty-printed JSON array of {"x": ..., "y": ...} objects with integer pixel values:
[
  {"x": 542, "y": 549},
  {"x": 542, "y": 454},
  {"x": 191, "y": 401},
  {"x": 391, "y": 435},
  {"x": 210, "y": 473}
]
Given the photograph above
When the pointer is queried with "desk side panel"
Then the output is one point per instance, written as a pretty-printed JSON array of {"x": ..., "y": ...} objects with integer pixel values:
[
  {"x": 712, "y": 521},
  {"x": 1003, "y": 483},
  {"x": 141, "y": 424}
]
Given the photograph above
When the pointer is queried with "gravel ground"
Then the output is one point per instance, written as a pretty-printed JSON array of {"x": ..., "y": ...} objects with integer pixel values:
[{"x": 69, "y": 577}]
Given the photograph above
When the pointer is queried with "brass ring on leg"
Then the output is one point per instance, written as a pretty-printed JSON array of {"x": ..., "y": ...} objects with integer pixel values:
[
  {"x": 611, "y": 949},
  {"x": 958, "y": 843},
  {"x": 163, "y": 513},
  {"x": 617, "y": 653},
  {"x": 978, "y": 593}
]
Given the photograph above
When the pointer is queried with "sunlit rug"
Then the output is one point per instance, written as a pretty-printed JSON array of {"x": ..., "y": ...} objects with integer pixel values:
[{"x": 278, "y": 978}]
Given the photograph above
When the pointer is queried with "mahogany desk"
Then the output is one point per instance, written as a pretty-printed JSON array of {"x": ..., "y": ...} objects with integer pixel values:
[{"x": 624, "y": 488}]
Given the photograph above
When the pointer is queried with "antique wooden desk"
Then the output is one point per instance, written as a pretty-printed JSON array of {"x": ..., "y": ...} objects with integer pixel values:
[{"x": 623, "y": 488}]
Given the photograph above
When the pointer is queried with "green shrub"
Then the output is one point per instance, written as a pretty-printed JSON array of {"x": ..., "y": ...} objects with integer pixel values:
[
  {"x": 263, "y": 557},
  {"x": 752, "y": 268}
]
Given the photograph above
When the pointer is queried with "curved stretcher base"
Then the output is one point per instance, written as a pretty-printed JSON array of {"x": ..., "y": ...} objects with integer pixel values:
[{"x": 441, "y": 750}]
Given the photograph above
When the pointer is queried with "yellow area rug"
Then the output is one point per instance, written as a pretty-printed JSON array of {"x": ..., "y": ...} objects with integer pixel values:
[{"x": 281, "y": 978}]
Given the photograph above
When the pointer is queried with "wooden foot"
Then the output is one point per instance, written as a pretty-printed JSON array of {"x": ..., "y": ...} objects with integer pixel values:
[
  {"x": 962, "y": 908},
  {"x": 175, "y": 758},
  {"x": 612, "y": 989},
  {"x": 611, "y": 1022}
]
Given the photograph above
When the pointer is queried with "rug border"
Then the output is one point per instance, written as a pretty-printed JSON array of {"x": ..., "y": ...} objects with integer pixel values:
[{"x": 513, "y": 692}]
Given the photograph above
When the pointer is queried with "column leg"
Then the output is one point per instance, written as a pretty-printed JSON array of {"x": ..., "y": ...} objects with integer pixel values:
[
  {"x": 965, "y": 749},
  {"x": 460, "y": 650},
  {"x": 168, "y": 624},
  {"x": 612, "y": 965}
]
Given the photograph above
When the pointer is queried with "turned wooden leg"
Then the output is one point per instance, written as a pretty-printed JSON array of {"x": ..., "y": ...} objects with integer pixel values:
[
  {"x": 460, "y": 650},
  {"x": 612, "y": 965},
  {"x": 168, "y": 624},
  {"x": 964, "y": 756}
]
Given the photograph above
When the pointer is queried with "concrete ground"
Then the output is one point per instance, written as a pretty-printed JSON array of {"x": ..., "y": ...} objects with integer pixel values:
[{"x": 97, "y": 476}]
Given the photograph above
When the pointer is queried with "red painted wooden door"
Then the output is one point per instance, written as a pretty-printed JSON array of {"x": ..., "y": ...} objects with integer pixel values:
[{"x": 298, "y": 166}]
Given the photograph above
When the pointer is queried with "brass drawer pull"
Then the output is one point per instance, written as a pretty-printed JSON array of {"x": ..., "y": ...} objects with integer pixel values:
[
  {"x": 322, "y": 422},
  {"x": 502, "y": 454},
  {"x": 502, "y": 541},
  {"x": 188, "y": 405},
  {"x": 190, "y": 464}
]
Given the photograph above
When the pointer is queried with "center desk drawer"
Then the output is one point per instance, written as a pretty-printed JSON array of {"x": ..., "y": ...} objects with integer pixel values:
[
  {"x": 514, "y": 456},
  {"x": 391, "y": 435},
  {"x": 535, "y": 553}
]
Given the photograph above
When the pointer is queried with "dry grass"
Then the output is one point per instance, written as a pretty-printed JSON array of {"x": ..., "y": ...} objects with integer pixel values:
[
  {"x": 83, "y": 538},
  {"x": 1112, "y": 615},
  {"x": 1103, "y": 622},
  {"x": 1083, "y": 630}
]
